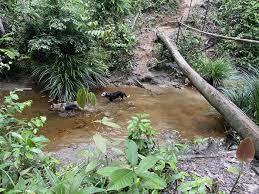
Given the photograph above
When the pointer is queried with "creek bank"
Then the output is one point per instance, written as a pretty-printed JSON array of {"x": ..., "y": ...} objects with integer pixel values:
[{"x": 212, "y": 160}]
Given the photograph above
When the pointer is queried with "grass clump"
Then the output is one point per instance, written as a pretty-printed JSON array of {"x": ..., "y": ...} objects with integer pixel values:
[
  {"x": 213, "y": 70},
  {"x": 246, "y": 96}
]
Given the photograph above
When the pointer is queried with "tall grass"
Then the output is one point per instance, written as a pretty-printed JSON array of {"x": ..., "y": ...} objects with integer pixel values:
[
  {"x": 246, "y": 95},
  {"x": 63, "y": 78},
  {"x": 214, "y": 70}
]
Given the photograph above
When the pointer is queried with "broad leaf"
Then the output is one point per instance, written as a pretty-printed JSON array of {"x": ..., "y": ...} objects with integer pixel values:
[
  {"x": 81, "y": 97},
  {"x": 100, "y": 142},
  {"x": 53, "y": 179},
  {"x": 76, "y": 182},
  {"x": 146, "y": 164},
  {"x": 153, "y": 181},
  {"x": 131, "y": 151},
  {"x": 91, "y": 166},
  {"x": 121, "y": 178},
  {"x": 91, "y": 98},
  {"x": 107, "y": 171},
  {"x": 178, "y": 176},
  {"x": 91, "y": 190},
  {"x": 246, "y": 150}
]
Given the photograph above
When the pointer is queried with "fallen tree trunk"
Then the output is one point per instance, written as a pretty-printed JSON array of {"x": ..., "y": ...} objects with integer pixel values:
[{"x": 232, "y": 114}]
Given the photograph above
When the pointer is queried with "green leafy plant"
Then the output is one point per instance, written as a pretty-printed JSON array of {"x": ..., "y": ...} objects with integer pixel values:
[
  {"x": 137, "y": 177},
  {"x": 21, "y": 148},
  {"x": 57, "y": 40},
  {"x": 198, "y": 185},
  {"x": 83, "y": 97},
  {"x": 214, "y": 70},
  {"x": 197, "y": 141},
  {"x": 189, "y": 44},
  {"x": 24, "y": 167},
  {"x": 245, "y": 94},
  {"x": 239, "y": 21},
  {"x": 142, "y": 133},
  {"x": 148, "y": 5},
  {"x": 7, "y": 52}
]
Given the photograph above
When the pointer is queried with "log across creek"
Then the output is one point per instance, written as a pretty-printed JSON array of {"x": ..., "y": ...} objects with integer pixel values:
[{"x": 238, "y": 120}]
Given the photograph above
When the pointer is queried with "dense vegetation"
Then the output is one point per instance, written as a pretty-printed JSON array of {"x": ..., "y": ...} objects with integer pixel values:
[
  {"x": 233, "y": 66},
  {"x": 144, "y": 167},
  {"x": 239, "y": 21},
  {"x": 69, "y": 44}
]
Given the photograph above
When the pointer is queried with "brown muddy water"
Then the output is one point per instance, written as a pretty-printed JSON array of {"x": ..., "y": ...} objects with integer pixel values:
[{"x": 185, "y": 111}]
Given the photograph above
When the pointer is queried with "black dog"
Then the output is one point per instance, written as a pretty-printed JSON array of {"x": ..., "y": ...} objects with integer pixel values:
[{"x": 114, "y": 95}]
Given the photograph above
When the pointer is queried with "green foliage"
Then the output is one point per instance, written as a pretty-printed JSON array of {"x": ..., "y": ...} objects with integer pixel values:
[
  {"x": 157, "y": 5},
  {"x": 119, "y": 45},
  {"x": 83, "y": 97},
  {"x": 142, "y": 133},
  {"x": 57, "y": 40},
  {"x": 100, "y": 143},
  {"x": 21, "y": 148},
  {"x": 24, "y": 166},
  {"x": 67, "y": 75},
  {"x": 189, "y": 45},
  {"x": 131, "y": 152},
  {"x": 198, "y": 185},
  {"x": 246, "y": 95},
  {"x": 104, "y": 9},
  {"x": 240, "y": 21},
  {"x": 7, "y": 52},
  {"x": 213, "y": 70}
]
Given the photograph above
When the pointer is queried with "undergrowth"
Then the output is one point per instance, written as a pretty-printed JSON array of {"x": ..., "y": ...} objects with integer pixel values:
[
  {"x": 70, "y": 44},
  {"x": 145, "y": 168},
  {"x": 239, "y": 21}
]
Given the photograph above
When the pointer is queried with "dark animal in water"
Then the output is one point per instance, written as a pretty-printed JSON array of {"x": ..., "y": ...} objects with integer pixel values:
[
  {"x": 65, "y": 106},
  {"x": 114, "y": 95}
]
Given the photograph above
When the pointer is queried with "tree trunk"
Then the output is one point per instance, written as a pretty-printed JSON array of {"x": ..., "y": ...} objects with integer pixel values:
[{"x": 232, "y": 114}]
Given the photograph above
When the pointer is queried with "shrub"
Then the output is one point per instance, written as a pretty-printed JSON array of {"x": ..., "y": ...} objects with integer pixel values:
[
  {"x": 142, "y": 133},
  {"x": 240, "y": 21},
  {"x": 119, "y": 45},
  {"x": 189, "y": 45},
  {"x": 156, "y": 5},
  {"x": 213, "y": 70},
  {"x": 21, "y": 149},
  {"x": 7, "y": 52},
  {"x": 60, "y": 48},
  {"x": 67, "y": 75}
]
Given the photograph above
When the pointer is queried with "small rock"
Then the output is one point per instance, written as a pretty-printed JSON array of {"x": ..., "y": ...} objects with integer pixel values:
[
  {"x": 130, "y": 103},
  {"x": 107, "y": 114}
]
